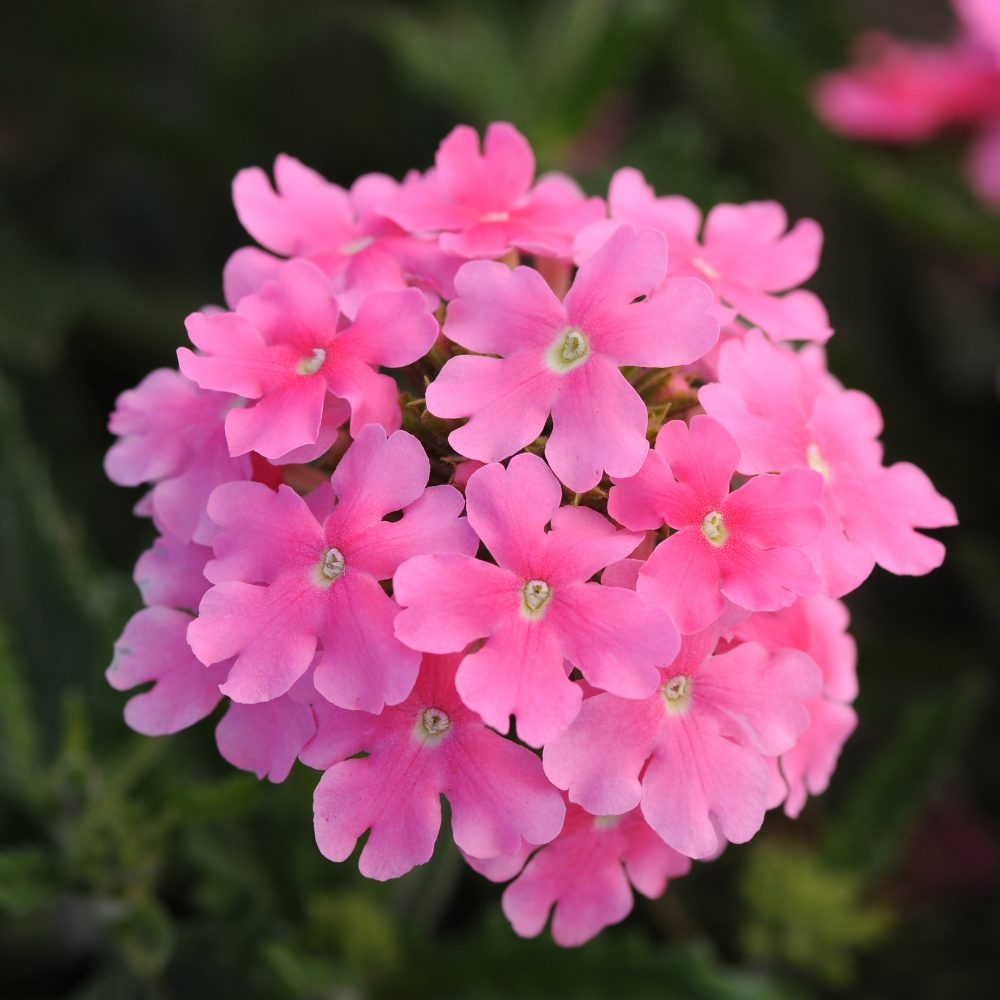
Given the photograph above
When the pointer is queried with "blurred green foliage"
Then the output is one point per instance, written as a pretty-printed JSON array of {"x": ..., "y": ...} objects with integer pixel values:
[{"x": 133, "y": 867}]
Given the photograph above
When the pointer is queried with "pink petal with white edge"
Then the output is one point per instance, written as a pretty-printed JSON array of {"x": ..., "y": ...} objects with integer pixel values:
[
  {"x": 153, "y": 648},
  {"x": 450, "y": 600},
  {"x": 519, "y": 671},
  {"x": 700, "y": 787},
  {"x": 502, "y": 311},
  {"x": 356, "y": 795},
  {"x": 509, "y": 508},
  {"x": 598, "y": 425},
  {"x": 265, "y": 739},
  {"x": 507, "y": 399}
]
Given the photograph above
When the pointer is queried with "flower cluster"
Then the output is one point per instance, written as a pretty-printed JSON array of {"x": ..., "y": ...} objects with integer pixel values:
[
  {"x": 898, "y": 92},
  {"x": 484, "y": 488}
]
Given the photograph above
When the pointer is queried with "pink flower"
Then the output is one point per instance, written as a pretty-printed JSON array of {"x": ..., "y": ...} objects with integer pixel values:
[
  {"x": 171, "y": 434},
  {"x": 267, "y": 738},
  {"x": 172, "y": 573},
  {"x": 743, "y": 546},
  {"x": 588, "y": 873},
  {"x": 340, "y": 231},
  {"x": 153, "y": 648},
  {"x": 786, "y": 412},
  {"x": 745, "y": 255},
  {"x": 535, "y": 608},
  {"x": 484, "y": 204},
  {"x": 904, "y": 93},
  {"x": 692, "y": 755},
  {"x": 818, "y": 626},
  {"x": 562, "y": 359},
  {"x": 282, "y": 347},
  {"x": 285, "y": 580},
  {"x": 430, "y": 745}
]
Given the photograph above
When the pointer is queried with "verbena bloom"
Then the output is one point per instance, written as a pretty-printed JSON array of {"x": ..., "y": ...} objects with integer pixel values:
[
  {"x": 744, "y": 254},
  {"x": 818, "y": 626},
  {"x": 692, "y": 755},
  {"x": 586, "y": 875},
  {"x": 744, "y": 546},
  {"x": 342, "y": 232},
  {"x": 786, "y": 413},
  {"x": 535, "y": 608},
  {"x": 563, "y": 359},
  {"x": 286, "y": 581},
  {"x": 483, "y": 203},
  {"x": 154, "y": 648},
  {"x": 284, "y": 348},
  {"x": 430, "y": 745},
  {"x": 377, "y": 573},
  {"x": 905, "y": 93},
  {"x": 171, "y": 435}
]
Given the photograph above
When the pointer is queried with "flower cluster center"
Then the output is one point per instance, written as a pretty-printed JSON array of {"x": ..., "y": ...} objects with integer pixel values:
[
  {"x": 535, "y": 595},
  {"x": 713, "y": 528},
  {"x": 312, "y": 364},
  {"x": 570, "y": 349}
]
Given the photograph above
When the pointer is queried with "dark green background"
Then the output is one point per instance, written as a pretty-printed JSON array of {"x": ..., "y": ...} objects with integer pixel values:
[{"x": 146, "y": 867}]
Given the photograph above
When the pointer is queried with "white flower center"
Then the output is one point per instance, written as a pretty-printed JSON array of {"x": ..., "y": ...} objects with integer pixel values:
[
  {"x": 815, "y": 461},
  {"x": 606, "y": 822},
  {"x": 676, "y": 693},
  {"x": 356, "y": 246},
  {"x": 313, "y": 363},
  {"x": 534, "y": 596},
  {"x": 496, "y": 217},
  {"x": 569, "y": 350},
  {"x": 713, "y": 528},
  {"x": 705, "y": 268},
  {"x": 331, "y": 567},
  {"x": 434, "y": 721}
]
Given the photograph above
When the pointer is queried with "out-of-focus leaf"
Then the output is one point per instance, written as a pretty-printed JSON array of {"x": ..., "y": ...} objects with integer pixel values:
[
  {"x": 807, "y": 916},
  {"x": 867, "y": 834}
]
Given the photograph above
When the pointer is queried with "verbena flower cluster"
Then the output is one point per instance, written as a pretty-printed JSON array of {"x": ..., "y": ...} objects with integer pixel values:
[
  {"x": 483, "y": 488},
  {"x": 906, "y": 93}
]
